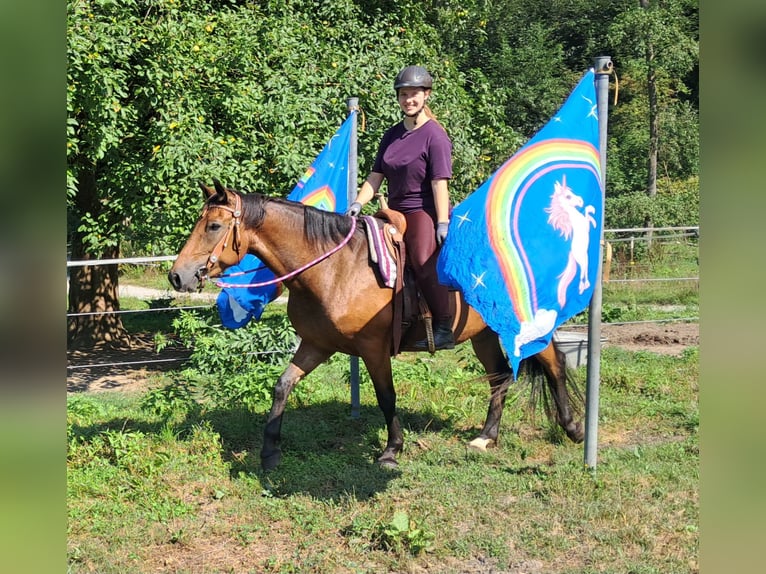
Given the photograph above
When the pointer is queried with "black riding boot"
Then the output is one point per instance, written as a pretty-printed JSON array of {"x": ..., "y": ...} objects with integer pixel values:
[{"x": 443, "y": 338}]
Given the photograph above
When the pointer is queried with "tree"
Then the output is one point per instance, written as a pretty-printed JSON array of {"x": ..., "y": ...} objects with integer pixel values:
[
  {"x": 163, "y": 95},
  {"x": 657, "y": 40},
  {"x": 159, "y": 98}
]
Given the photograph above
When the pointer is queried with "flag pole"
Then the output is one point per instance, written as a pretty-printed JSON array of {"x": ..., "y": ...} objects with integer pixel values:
[
  {"x": 603, "y": 67},
  {"x": 352, "y": 105}
]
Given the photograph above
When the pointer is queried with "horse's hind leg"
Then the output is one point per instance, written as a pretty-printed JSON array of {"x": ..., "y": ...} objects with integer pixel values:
[
  {"x": 305, "y": 360},
  {"x": 379, "y": 368},
  {"x": 553, "y": 364},
  {"x": 487, "y": 347}
]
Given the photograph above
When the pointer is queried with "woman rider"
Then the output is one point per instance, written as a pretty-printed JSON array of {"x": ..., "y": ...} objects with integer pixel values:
[{"x": 415, "y": 158}]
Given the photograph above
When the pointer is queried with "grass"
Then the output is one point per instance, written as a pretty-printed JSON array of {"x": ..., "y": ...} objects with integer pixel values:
[
  {"x": 185, "y": 493},
  {"x": 150, "y": 275},
  {"x": 660, "y": 286}
]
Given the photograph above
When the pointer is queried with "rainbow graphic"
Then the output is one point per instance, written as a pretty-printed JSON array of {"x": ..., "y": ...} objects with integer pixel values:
[
  {"x": 306, "y": 176},
  {"x": 505, "y": 255},
  {"x": 322, "y": 198},
  {"x": 506, "y": 192}
]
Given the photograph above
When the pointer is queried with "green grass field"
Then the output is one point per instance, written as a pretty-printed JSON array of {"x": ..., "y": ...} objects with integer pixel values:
[{"x": 182, "y": 491}]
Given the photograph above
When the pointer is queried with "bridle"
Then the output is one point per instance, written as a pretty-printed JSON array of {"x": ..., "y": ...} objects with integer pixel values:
[{"x": 233, "y": 233}]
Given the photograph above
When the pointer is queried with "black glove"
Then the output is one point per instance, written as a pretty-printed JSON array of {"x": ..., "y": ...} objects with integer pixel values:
[
  {"x": 441, "y": 232},
  {"x": 354, "y": 209}
]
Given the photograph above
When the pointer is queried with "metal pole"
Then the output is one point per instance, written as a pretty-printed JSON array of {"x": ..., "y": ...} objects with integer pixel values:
[
  {"x": 603, "y": 67},
  {"x": 352, "y": 105}
]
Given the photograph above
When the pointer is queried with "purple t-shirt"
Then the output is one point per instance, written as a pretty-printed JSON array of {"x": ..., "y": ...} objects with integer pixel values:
[{"x": 410, "y": 161}]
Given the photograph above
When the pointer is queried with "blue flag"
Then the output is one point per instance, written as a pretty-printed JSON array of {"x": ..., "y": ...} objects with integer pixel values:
[
  {"x": 324, "y": 185},
  {"x": 524, "y": 247}
]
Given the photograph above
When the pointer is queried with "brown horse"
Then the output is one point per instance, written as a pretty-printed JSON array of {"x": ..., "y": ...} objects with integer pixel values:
[{"x": 339, "y": 304}]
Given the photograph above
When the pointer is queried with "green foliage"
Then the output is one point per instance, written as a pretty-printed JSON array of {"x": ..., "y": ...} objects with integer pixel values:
[
  {"x": 680, "y": 152},
  {"x": 176, "y": 398},
  {"x": 675, "y": 205},
  {"x": 227, "y": 368},
  {"x": 401, "y": 534},
  {"x": 657, "y": 44},
  {"x": 159, "y": 99},
  {"x": 270, "y": 340}
]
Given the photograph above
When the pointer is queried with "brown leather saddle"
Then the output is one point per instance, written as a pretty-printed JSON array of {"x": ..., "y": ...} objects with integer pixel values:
[{"x": 411, "y": 316}]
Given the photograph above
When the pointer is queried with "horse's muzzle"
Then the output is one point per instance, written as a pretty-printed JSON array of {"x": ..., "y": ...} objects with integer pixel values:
[
  {"x": 179, "y": 284},
  {"x": 175, "y": 280}
]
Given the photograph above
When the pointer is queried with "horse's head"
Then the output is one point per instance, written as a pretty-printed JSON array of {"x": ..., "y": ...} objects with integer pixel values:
[
  {"x": 214, "y": 243},
  {"x": 565, "y": 196}
]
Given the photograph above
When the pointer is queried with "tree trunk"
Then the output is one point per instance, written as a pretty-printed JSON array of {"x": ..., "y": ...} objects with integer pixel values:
[
  {"x": 654, "y": 123},
  {"x": 93, "y": 288}
]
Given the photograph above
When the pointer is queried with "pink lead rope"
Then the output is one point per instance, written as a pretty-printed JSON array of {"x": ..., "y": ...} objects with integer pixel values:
[{"x": 297, "y": 271}]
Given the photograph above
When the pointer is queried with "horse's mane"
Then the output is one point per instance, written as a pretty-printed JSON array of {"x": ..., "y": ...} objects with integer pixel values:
[
  {"x": 557, "y": 215},
  {"x": 324, "y": 227},
  {"x": 321, "y": 228}
]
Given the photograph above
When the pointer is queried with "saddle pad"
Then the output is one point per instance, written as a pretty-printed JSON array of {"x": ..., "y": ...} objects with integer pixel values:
[{"x": 379, "y": 253}]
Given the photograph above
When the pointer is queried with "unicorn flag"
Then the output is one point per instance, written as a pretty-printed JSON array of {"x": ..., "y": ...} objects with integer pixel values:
[
  {"x": 524, "y": 247},
  {"x": 324, "y": 185}
]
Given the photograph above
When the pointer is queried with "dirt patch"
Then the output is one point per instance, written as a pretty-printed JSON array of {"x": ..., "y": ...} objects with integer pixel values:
[
  {"x": 116, "y": 369},
  {"x": 663, "y": 338},
  {"x": 129, "y": 370}
]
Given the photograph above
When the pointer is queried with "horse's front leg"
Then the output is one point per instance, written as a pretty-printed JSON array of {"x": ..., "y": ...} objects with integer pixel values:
[
  {"x": 305, "y": 360},
  {"x": 379, "y": 368},
  {"x": 584, "y": 282}
]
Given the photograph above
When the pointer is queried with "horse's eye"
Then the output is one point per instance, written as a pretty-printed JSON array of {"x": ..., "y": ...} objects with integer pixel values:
[{"x": 213, "y": 226}]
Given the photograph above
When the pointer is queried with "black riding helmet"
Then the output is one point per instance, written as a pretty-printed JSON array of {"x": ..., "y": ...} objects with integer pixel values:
[{"x": 413, "y": 77}]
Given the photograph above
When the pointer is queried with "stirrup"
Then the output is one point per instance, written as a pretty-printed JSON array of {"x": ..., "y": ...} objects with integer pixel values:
[{"x": 436, "y": 340}]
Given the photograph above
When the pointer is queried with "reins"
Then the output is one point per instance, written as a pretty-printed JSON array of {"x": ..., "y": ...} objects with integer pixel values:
[{"x": 292, "y": 273}]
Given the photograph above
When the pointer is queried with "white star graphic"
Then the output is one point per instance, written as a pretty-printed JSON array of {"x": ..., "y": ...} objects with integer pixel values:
[
  {"x": 593, "y": 108},
  {"x": 478, "y": 280},
  {"x": 463, "y": 218}
]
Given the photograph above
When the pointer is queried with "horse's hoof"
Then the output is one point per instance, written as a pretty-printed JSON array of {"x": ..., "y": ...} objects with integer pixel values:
[
  {"x": 388, "y": 462},
  {"x": 481, "y": 444},
  {"x": 576, "y": 432},
  {"x": 270, "y": 462}
]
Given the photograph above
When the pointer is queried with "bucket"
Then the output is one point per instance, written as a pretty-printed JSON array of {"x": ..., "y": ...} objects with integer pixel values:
[{"x": 574, "y": 345}]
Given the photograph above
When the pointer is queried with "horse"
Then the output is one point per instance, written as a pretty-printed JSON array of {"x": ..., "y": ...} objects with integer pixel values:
[{"x": 338, "y": 303}]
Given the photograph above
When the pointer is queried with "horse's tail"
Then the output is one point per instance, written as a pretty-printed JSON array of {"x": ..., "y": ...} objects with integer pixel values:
[
  {"x": 540, "y": 395},
  {"x": 565, "y": 279}
]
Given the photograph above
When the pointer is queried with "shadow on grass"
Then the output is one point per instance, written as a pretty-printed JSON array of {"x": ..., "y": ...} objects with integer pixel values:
[{"x": 325, "y": 453}]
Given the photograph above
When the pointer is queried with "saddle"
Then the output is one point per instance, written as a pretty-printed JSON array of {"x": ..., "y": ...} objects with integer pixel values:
[{"x": 385, "y": 232}]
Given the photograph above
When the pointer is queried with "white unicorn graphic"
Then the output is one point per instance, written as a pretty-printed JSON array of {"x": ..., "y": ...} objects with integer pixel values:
[{"x": 564, "y": 216}]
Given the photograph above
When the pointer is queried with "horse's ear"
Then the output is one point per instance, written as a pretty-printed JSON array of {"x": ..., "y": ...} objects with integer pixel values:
[
  {"x": 208, "y": 191},
  {"x": 220, "y": 191}
]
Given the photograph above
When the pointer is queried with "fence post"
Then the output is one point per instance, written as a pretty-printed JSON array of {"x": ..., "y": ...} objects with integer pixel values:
[
  {"x": 603, "y": 67},
  {"x": 353, "y": 106}
]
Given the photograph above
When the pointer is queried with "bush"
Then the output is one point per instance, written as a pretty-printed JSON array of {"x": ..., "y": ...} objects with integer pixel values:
[
  {"x": 675, "y": 205},
  {"x": 228, "y": 368}
]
